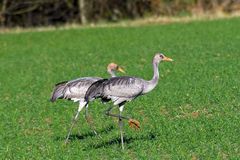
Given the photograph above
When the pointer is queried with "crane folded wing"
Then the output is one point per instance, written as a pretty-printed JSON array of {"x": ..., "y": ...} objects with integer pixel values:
[
  {"x": 74, "y": 90},
  {"x": 58, "y": 91},
  {"x": 95, "y": 90},
  {"x": 116, "y": 89}
]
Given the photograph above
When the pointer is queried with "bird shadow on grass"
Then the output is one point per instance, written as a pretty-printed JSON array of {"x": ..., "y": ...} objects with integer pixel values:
[
  {"x": 74, "y": 137},
  {"x": 127, "y": 140}
]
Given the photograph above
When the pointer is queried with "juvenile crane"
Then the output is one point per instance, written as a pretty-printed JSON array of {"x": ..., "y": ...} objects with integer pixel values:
[
  {"x": 76, "y": 89},
  {"x": 120, "y": 90}
]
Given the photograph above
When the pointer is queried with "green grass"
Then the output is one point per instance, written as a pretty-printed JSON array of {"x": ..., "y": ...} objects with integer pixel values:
[{"x": 194, "y": 112}]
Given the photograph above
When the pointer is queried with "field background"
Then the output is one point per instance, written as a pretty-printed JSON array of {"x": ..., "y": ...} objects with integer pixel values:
[{"x": 193, "y": 113}]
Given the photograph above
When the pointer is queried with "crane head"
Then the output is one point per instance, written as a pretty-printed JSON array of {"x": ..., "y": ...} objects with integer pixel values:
[
  {"x": 115, "y": 67},
  {"x": 161, "y": 57}
]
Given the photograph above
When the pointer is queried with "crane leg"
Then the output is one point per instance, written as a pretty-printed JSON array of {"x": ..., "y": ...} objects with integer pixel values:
[
  {"x": 120, "y": 120},
  {"x": 74, "y": 121},
  {"x": 89, "y": 121},
  {"x": 108, "y": 113},
  {"x": 132, "y": 122}
]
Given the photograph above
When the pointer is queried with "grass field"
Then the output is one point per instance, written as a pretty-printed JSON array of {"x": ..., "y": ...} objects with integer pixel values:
[{"x": 193, "y": 113}]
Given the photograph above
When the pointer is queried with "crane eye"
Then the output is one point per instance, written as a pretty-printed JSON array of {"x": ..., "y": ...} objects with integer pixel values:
[{"x": 161, "y": 56}]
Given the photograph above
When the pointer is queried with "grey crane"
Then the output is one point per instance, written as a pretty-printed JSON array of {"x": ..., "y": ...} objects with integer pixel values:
[
  {"x": 76, "y": 89},
  {"x": 123, "y": 89}
]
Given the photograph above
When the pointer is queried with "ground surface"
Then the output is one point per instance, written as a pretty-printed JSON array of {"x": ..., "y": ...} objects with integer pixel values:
[{"x": 193, "y": 113}]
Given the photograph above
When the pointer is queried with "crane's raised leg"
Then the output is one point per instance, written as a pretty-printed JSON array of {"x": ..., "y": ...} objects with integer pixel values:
[
  {"x": 120, "y": 121},
  {"x": 81, "y": 105},
  {"x": 132, "y": 122},
  {"x": 108, "y": 113}
]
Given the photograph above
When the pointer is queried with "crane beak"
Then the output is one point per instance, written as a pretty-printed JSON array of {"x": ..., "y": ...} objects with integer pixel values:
[
  {"x": 167, "y": 59},
  {"x": 120, "y": 69}
]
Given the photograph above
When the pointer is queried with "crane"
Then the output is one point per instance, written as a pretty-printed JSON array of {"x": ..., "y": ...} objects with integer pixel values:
[
  {"x": 76, "y": 89},
  {"x": 124, "y": 89}
]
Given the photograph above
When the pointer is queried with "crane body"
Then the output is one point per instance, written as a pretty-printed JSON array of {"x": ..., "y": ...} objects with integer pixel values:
[
  {"x": 76, "y": 89},
  {"x": 120, "y": 90}
]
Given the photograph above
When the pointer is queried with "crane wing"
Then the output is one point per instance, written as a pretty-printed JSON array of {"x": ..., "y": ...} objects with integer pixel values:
[
  {"x": 123, "y": 87},
  {"x": 74, "y": 89}
]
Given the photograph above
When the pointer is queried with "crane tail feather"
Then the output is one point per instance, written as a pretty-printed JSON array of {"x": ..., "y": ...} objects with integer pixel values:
[
  {"x": 95, "y": 90},
  {"x": 58, "y": 91}
]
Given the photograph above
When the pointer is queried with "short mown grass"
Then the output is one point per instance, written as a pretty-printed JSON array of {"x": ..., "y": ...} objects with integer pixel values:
[{"x": 194, "y": 112}]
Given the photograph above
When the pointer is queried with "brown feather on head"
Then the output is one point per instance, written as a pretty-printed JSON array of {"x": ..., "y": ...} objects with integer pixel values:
[{"x": 114, "y": 67}]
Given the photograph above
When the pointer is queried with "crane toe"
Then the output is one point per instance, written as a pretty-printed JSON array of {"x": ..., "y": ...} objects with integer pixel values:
[{"x": 134, "y": 123}]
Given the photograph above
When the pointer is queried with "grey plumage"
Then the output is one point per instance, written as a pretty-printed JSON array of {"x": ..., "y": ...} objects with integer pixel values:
[
  {"x": 58, "y": 91},
  {"x": 116, "y": 89},
  {"x": 95, "y": 90},
  {"x": 74, "y": 89}
]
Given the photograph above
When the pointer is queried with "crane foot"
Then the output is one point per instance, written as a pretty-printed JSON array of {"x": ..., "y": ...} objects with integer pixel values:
[{"x": 134, "y": 123}]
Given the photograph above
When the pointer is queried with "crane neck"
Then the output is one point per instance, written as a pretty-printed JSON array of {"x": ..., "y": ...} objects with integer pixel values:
[
  {"x": 150, "y": 85},
  {"x": 112, "y": 73},
  {"x": 155, "y": 73}
]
